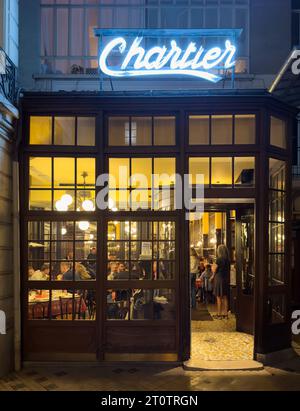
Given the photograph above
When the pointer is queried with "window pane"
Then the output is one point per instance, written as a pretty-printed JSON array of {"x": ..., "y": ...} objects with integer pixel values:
[
  {"x": 221, "y": 169},
  {"x": 64, "y": 200},
  {"x": 142, "y": 167},
  {"x": 86, "y": 130},
  {"x": 64, "y": 131},
  {"x": 86, "y": 174},
  {"x": 40, "y": 130},
  {"x": 64, "y": 172},
  {"x": 221, "y": 130},
  {"x": 245, "y": 129},
  {"x": 77, "y": 30},
  {"x": 198, "y": 165},
  {"x": 278, "y": 132},
  {"x": 277, "y": 174},
  {"x": 39, "y": 270},
  {"x": 40, "y": 200},
  {"x": 276, "y": 309},
  {"x": 119, "y": 172},
  {"x": 118, "y": 304},
  {"x": 38, "y": 304},
  {"x": 40, "y": 172},
  {"x": 119, "y": 131},
  {"x": 62, "y": 32},
  {"x": 39, "y": 230},
  {"x": 165, "y": 169},
  {"x": 141, "y": 131},
  {"x": 244, "y": 171},
  {"x": 199, "y": 130},
  {"x": 164, "y": 131}
]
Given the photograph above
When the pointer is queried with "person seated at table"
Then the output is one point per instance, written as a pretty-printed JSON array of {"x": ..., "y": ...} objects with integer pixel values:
[
  {"x": 30, "y": 272},
  {"x": 42, "y": 274},
  {"x": 82, "y": 272},
  {"x": 113, "y": 270},
  {"x": 67, "y": 273},
  {"x": 93, "y": 254}
]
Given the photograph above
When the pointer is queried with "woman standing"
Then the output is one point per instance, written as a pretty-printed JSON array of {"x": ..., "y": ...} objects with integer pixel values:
[
  {"x": 221, "y": 278},
  {"x": 194, "y": 264}
]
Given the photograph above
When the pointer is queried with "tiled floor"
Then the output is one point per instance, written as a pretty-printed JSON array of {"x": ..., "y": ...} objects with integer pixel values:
[{"x": 218, "y": 340}]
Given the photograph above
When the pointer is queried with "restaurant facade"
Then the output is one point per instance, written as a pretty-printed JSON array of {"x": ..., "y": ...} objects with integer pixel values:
[
  {"x": 239, "y": 142},
  {"x": 88, "y": 283}
]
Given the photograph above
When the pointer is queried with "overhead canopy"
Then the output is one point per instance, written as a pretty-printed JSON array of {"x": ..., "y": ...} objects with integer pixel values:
[{"x": 286, "y": 85}]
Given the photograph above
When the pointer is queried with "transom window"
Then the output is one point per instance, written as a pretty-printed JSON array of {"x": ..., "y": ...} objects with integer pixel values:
[
  {"x": 222, "y": 129},
  {"x": 62, "y": 131},
  {"x": 223, "y": 171},
  {"x": 142, "y": 131}
]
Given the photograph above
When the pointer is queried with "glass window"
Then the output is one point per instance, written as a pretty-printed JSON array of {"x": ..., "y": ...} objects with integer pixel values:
[
  {"x": 70, "y": 192},
  {"x": 199, "y": 130},
  {"x": 139, "y": 250},
  {"x": 277, "y": 221},
  {"x": 86, "y": 131},
  {"x": 140, "y": 304},
  {"x": 244, "y": 171},
  {"x": 40, "y": 130},
  {"x": 164, "y": 131},
  {"x": 278, "y": 132},
  {"x": 67, "y": 305},
  {"x": 119, "y": 131},
  {"x": 245, "y": 129},
  {"x": 64, "y": 131},
  {"x": 143, "y": 192},
  {"x": 221, "y": 171},
  {"x": 199, "y": 165},
  {"x": 62, "y": 250},
  {"x": 221, "y": 130},
  {"x": 40, "y": 172},
  {"x": 276, "y": 309},
  {"x": 141, "y": 131}
]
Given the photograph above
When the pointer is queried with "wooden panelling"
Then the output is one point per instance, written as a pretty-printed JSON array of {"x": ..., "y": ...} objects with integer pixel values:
[
  {"x": 69, "y": 338},
  {"x": 140, "y": 339},
  {"x": 6, "y": 260}
]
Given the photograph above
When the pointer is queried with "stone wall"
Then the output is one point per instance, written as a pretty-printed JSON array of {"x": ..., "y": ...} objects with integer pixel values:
[{"x": 6, "y": 243}]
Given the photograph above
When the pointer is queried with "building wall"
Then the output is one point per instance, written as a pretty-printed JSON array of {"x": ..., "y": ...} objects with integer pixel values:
[
  {"x": 6, "y": 244},
  {"x": 268, "y": 49},
  {"x": 9, "y": 42},
  {"x": 270, "y": 35},
  {"x": 9, "y": 29}
]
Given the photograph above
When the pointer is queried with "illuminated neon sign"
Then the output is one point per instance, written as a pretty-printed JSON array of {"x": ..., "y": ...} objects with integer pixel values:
[{"x": 168, "y": 58}]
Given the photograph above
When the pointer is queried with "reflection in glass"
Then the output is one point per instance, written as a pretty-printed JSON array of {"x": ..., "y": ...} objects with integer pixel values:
[
  {"x": 244, "y": 171},
  {"x": 278, "y": 132},
  {"x": 245, "y": 129},
  {"x": 64, "y": 131},
  {"x": 140, "y": 304},
  {"x": 40, "y": 130},
  {"x": 119, "y": 131},
  {"x": 199, "y": 130},
  {"x": 221, "y": 130}
]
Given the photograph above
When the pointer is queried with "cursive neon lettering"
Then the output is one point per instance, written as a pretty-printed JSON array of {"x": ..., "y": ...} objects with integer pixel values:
[{"x": 194, "y": 61}]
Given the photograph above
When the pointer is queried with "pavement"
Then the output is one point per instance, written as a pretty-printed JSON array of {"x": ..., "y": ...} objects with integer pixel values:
[{"x": 283, "y": 377}]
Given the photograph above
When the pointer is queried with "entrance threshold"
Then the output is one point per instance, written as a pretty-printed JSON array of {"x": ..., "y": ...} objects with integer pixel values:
[{"x": 238, "y": 365}]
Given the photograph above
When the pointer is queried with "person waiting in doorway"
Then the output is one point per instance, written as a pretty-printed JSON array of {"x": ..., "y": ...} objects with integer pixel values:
[
  {"x": 194, "y": 264},
  {"x": 221, "y": 279}
]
